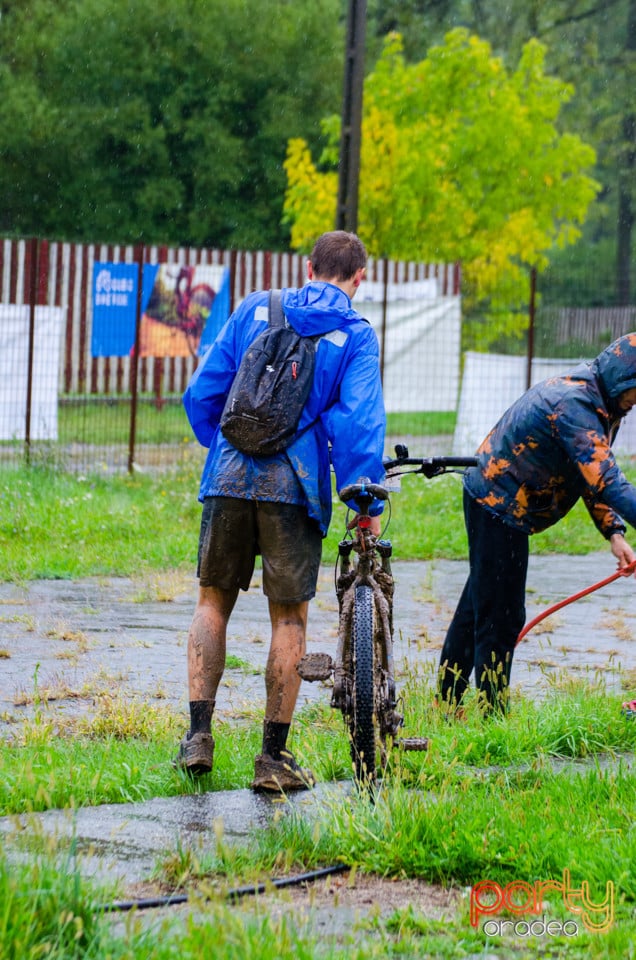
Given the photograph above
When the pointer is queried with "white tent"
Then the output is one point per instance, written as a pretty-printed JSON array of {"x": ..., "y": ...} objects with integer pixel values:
[
  {"x": 420, "y": 342},
  {"x": 492, "y": 382},
  {"x": 14, "y": 365}
]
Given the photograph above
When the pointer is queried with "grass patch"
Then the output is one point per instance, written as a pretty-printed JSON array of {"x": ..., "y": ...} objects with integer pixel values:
[
  {"x": 82, "y": 420},
  {"x": 59, "y": 525},
  {"x": 426, "y": 423},
  {"x": 123, "y": 752},
  {"x": 48, "y": 910},
  {"x": 232, "y": 662},
  {"x": 455, "y": 817},
  {"x": 63, "y": 526},
  {"x": 484, "y": 803}
]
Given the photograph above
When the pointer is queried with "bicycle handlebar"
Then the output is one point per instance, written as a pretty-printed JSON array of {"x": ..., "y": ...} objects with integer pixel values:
[
  {"x": 429, "y": 466},
  {"x": 363, "y": 493}
]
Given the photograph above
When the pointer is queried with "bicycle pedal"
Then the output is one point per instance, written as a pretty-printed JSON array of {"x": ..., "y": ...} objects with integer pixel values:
[
  {"x": 315, "y": 666},
  {"x": 412, "y": 743}
]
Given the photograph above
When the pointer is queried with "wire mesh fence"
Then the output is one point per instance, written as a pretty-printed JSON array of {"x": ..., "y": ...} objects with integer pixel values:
[{"x": 98, "y": 343}]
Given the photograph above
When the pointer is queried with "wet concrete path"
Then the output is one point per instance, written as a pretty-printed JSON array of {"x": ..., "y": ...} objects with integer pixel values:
[
  {"x": 69, "y": 641},
  {"x": 126, "y": 841},
  {"x": 75, "y": 639}
]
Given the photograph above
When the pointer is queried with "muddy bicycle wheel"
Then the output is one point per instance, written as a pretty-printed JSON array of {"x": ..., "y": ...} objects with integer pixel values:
[{"x": 362, "y": 718}]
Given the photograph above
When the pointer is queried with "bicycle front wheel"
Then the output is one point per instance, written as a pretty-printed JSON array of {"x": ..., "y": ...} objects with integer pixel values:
[{"x": 362, "y": 719}]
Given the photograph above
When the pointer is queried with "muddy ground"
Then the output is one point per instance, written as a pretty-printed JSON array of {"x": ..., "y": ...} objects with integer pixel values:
[{"x": 67, "y": 642}]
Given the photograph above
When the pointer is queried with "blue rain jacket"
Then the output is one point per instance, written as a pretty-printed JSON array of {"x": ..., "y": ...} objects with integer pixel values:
[
  {"x": 552, "y": 446},
  {"x": 345, "y": 406}
]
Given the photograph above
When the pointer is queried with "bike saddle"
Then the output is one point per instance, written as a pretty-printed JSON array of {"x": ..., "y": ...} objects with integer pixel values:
[{"x": 363, "y": 489}]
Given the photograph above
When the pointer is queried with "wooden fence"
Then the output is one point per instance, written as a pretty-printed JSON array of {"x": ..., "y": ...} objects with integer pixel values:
[
  {"x": 48, "y": 273},
  {"x": 42, "y": 273}
]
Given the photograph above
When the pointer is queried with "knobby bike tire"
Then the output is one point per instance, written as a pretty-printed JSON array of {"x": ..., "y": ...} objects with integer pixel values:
[{"x": 362, "y": 719}]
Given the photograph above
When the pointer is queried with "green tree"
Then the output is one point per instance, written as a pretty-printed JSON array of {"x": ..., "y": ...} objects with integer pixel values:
[
  {"x": 590, "y": 45},
  {"x": 593, "y": 46},
  {"x": 461, "y": 160},
  {"x": 162, "y": 121}
]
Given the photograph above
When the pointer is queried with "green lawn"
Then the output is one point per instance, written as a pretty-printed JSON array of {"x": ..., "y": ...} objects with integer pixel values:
[
  {"x": 107, "y": 421},
  {"x": 55, "y": 524}
]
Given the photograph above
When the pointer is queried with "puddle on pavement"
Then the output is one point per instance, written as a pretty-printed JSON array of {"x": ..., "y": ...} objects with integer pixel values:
[
  {"x": 124, "y": 842},
  {"x": 70, "y": 641}
]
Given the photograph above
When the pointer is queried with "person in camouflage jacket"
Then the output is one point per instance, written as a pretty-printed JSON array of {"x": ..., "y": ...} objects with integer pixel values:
[{"x": 550, "y": 448}]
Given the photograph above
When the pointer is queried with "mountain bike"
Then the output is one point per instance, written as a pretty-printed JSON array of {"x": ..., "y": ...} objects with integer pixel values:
[{"x": 364, "y": 687}]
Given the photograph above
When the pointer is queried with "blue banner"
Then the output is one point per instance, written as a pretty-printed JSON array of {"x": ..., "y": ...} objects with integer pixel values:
[
  {"x": 218, "y": 314},
  {"x": 114, "y": 309},
  {"x": 183, "y": 307}
]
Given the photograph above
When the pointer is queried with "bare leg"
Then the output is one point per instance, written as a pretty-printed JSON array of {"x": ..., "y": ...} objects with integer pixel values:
[
  {"x": 282, "y": 683},
  {"x": 206, "y": 641}
]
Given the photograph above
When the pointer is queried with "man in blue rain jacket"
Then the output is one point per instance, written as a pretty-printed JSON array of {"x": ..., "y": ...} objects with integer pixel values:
[{"x": 279, "y": 506}]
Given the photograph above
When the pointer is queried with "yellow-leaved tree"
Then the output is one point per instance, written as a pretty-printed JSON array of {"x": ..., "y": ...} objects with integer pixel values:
[{"x": 461, "y": 160}]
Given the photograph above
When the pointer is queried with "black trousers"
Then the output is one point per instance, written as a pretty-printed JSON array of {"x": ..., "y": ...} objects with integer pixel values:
[{"x": 490, "y": 613}]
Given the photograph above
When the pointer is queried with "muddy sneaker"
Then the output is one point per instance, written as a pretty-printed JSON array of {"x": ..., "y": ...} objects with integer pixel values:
[
  {"x": 196, "y": 754},
  {"x": 280, "y": 776}
]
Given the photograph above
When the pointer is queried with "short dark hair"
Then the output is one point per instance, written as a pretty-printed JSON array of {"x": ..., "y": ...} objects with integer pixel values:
[{"x": 337, "y": 255}]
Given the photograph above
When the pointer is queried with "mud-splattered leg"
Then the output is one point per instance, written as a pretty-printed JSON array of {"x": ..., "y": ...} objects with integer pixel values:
[
  {"x": 282, "y": 682},
  {"x": 206, "y": 642}
]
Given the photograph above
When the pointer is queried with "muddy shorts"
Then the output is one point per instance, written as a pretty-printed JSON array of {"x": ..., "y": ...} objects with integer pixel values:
[{"x": 234, "y": 532}]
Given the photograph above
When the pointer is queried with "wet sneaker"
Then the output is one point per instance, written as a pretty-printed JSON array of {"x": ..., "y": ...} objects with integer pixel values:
[
  {"x": 196, "y": 754},
  {"x": 280, "y": 776},
  {"x": 629, "y": 709}
]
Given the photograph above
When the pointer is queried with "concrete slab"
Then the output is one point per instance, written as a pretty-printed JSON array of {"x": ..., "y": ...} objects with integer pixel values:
[
  {"x": 124, "y": 842},
  {"x": 70, "y": 641}
]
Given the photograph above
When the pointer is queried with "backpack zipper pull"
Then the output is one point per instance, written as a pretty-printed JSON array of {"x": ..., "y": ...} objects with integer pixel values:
[{"x": 294, "y": 370}]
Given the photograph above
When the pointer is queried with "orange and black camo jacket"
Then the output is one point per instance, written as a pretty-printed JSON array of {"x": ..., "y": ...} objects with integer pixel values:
[{"x": 553, "y": 445}]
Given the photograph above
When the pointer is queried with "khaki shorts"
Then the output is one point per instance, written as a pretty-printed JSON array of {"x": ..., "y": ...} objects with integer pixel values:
[{"x": 234, "y": 532}]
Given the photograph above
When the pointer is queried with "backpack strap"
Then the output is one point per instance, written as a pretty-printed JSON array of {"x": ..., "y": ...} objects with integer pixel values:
[{"x": 276, "y": 315}]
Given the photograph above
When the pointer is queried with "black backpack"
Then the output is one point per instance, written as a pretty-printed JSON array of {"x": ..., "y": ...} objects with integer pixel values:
[{"x": 270, "y": 388}]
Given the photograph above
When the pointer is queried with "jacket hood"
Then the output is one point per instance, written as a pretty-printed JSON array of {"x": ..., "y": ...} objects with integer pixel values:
[
  {"x": 615, "y": 368},
  {"x": 317, "y": 308}
]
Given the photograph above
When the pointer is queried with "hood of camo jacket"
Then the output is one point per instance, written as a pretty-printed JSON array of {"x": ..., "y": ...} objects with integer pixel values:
[
  {"x": 343, "y": 422},
  {"x": 615, "y": 368},
  {"x": 553, "y": 446}
]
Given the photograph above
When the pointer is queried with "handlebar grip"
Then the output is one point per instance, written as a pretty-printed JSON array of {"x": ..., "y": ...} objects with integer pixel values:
[{"x": 457, "y": 461}]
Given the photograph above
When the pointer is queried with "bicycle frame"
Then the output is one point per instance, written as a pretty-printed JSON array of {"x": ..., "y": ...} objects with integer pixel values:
[
  {"x": 364, "y": 688},
  {"x": 372, "y": 569}
]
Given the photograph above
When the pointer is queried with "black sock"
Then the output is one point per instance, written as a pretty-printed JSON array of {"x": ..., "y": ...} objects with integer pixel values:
[
  {"x": 274, "y": 738},
  {"x": 201, "y": 716}
]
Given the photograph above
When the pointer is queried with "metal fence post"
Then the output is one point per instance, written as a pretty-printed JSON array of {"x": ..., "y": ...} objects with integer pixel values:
[
  {"x": 34, "y": 246},
  {"x": 139, "y": 259},
  {"x": 531, "y": 318},
  {"x": 385, "y": 300}
]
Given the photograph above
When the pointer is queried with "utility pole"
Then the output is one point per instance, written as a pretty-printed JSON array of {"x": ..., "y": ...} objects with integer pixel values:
[{"x": 351, "y": 126}]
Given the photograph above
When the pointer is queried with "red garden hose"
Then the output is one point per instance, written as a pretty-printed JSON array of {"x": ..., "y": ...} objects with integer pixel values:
[{"x": 624, "y": 572}]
